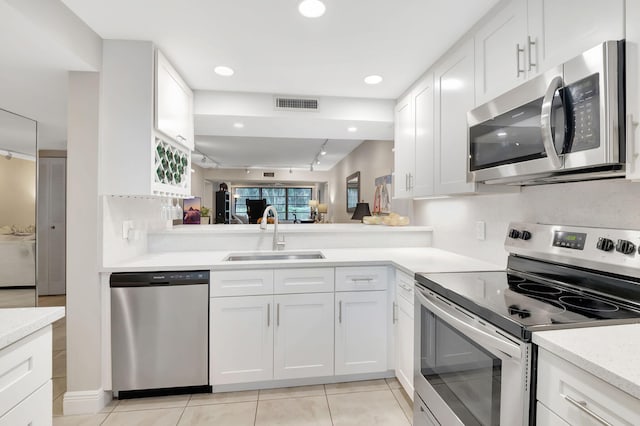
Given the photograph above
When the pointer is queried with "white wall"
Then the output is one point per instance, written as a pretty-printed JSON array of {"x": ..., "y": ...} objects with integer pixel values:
[
  {"x": 17, "y": 192},
  {"x": 372, "y": 159},
  {"x": 605, "y": 203}
]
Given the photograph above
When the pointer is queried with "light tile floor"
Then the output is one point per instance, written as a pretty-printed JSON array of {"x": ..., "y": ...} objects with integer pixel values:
[{"x": 370, "y": 402}]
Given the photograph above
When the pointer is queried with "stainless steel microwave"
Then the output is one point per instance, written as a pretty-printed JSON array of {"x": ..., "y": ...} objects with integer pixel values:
[{"x": 564, "y": 125}]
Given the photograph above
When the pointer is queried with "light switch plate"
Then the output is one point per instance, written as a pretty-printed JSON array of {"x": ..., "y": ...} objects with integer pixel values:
[{"x": 481, "y": 230}]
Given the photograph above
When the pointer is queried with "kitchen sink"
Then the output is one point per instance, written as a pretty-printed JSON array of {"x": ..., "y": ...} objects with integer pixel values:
[{"x": 273, "y": 255}]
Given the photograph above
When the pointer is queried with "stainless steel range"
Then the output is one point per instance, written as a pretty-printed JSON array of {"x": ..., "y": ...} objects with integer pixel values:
[{"x": 475, "y": 363}]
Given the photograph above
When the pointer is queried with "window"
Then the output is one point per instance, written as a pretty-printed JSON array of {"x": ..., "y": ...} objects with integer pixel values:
[{"x": 287, "y": 201}]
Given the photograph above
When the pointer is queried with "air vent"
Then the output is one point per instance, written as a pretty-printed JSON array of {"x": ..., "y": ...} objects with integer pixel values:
[
  {"x": 296, "y": 104},
  {"x": 268, "y": 174}
]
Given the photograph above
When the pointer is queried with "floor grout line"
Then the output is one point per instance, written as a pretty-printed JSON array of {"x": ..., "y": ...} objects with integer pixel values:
[{"x": 326, "y": 397}]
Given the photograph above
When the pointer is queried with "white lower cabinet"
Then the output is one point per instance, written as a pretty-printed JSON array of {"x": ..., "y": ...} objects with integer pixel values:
[
  {"x": 361, "y": 332},
  {"x": 241, "y": 339},
  {"x": 303, "y": 336},
  {"x": 36, "y": 410},
  {"x": 404, "y": 344},
  {"x": 579, "y": 398}
]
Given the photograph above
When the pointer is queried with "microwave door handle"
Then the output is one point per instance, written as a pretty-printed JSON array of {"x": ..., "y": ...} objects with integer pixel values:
[
  {"x": 469, "y": 330},
  {"x": 545, "y": 123}
]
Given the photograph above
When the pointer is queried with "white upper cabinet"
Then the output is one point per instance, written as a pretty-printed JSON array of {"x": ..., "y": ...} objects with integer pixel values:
[
  {"x": 564, "y": 29},
  {"x": 454, "y": 97},
  {"x": 527, "y": 37},
  {"x": 633, "y": 88},
  {"x": 404, "y": 147},
  {"x": 174, "y": 104},
  {"x": 414, "y": 142},
  {"x": 136, "y": 158},
  {"x": 500, "y": 49}
]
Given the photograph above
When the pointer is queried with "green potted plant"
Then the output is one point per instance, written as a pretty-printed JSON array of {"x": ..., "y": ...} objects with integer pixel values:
[{"x": 204, "y": 213}]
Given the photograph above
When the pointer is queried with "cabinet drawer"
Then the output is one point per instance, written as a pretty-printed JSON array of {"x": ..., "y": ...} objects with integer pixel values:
[
  {"x": 304, "y": 280},
  {"x": 361, "y": 278},
  {"x": 546, "y": 417},
  {"x": 24, "y": 367},
  {"x": 36, "y": 410},
  {"x": 404, "y": 286},
  {"x": 580, "y": 398},
  {"x": 242, "y": 283}
]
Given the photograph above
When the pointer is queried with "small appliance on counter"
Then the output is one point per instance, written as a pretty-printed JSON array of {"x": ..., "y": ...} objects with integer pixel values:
[
  {"x": 159, "y": 333},
  {"x": 475, "y": 363}
]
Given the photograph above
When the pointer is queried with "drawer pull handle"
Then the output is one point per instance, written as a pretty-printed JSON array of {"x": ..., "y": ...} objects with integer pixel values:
[
  {"x": 278, "y": 314},
  {"x": 394, "y": 316},
  {"x": 268, "y": 314},
  {"x": 361, "y": 279},
  {"x": 582, "y": 405},
  {"x": 340, "y": 312},
  {"x": 405, "y": 287}
]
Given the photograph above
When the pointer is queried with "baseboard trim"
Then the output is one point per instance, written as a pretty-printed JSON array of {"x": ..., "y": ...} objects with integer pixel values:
[{"x": 85, "y": 402}]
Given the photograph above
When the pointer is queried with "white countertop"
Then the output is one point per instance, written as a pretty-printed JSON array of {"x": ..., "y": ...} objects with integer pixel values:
[
  {"x": 411, "y": 260},
  {"x": 16, "y": 323},
  {"x": 610, "y": 353},
  {"x": 289, "y": 228}
]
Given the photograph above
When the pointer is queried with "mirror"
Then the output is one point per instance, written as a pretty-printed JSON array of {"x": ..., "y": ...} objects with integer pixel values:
[
  {"x": 353, "y": 191},
  {"x": 18, "y": 139}
]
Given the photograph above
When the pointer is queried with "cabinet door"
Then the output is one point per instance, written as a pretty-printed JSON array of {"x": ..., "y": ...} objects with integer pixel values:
[
  {"x": 303, "y": 336},
  {"x": 241, "y": 339},
  {"x": 174, "y": 103},
  {"x": 422, "y": 181},
  {"x": 561, "y": 30},
  {"x": 454, "y": 82},
  {"x": 361, "y": 332},
  {"x": 632, "y": 63},
  {"x": 404, "y": 148},
  {"x": 500, "y": 49},
  {"x": 404, "y": 344}
]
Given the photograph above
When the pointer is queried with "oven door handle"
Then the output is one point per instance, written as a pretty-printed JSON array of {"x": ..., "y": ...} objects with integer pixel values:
[
  {"x": 481, "y": 337},
  {"x": 545, "y": 123}
]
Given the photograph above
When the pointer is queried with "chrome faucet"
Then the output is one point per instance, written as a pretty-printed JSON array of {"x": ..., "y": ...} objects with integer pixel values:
[{"x": 277, "y": 244}]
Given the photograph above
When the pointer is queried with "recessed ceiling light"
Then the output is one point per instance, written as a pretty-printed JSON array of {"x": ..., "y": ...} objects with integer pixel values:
[
  {"x": 502, "y": 134},
  {"x": 238, "y": 125},
  {"x": 373, "y": 79},
  {"x": 223, "y": 71},
  {"x": 311, "y": 8},
  {"x": 352, "y": 129}
]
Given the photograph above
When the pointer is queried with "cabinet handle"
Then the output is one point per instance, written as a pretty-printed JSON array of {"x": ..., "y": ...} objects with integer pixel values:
[
  {"x": 340, "y": 312},
  {"x": 582, "y": 405},
  {"x": 632, "y": 153},
  {"x": 518, "y": 51},
  {"x": 410, "y": 181},
  {"x": 53, "y": 227},
  {"x": 182, "y": 138},
  {"x": 406, "y": 287},
  {"x": 393, "y": 315},
  {"x": 268, "y": 314},
  {"x": 278, "y": 315},
  {"x": 355, "y": 280},
  {"x": 531, "y": 42},
  {"x": 406, "y": 181}
]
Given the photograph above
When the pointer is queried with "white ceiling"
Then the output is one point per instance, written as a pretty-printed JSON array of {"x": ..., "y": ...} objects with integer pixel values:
[{"x": 274, "y": 49}]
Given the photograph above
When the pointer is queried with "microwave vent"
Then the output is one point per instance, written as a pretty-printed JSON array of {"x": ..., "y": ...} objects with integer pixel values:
[
  {"x": 268, "y": 174},
  {"x": 296, "y": 104}
]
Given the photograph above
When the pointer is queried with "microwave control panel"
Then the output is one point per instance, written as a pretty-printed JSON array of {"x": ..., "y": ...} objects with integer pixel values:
[{"x": 584, "y": 103}]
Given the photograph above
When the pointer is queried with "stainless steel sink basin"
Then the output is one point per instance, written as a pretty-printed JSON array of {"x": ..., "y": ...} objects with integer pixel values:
[{"x": 238, "y": 257}]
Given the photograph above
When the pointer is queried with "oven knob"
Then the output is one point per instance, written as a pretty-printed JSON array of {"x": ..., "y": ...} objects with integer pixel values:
[
  {"x": 514, "y": 233},
  {"x": 604, "y": 244},
  {"x": 625, "y": 247},
  {"x": 525, "y": 235}
]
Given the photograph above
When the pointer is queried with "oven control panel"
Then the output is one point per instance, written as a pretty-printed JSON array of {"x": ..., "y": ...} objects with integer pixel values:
[
  {"x": 572, "y": 240},
  {"x": 606, "y": 249}
]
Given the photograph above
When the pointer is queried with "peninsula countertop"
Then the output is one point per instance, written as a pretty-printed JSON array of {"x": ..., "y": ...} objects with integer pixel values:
[
  {"x": 410, "y": 260},
  {"x": 16, "y": 323}
]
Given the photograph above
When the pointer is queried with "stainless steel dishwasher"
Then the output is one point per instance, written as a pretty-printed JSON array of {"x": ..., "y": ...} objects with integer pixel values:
[{"x": 159, "y": 333}]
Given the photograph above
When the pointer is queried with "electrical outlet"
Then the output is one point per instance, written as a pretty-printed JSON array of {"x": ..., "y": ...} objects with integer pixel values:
[
  {"x": 126, "y": 226},
  {"x": 481, "y": 230}
]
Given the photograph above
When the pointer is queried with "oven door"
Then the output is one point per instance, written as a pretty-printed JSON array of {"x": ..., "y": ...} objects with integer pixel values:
[{"x": 466, "y": 371}]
